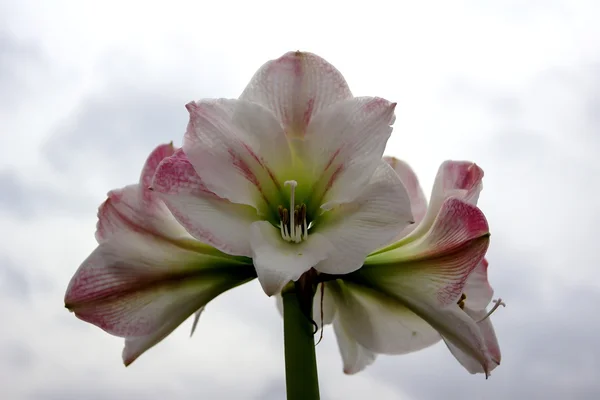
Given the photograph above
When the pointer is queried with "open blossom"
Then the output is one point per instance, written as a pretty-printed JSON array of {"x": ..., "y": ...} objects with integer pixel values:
[
  {"x": 290, "y": 174},
  {"x": 287, "y": 178},
  {"x": 430, "y": 284},
  {"x": 147, "y": 274}
]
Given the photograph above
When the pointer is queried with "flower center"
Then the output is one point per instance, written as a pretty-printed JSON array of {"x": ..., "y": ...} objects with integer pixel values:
[{"x": 292, "y": 221}]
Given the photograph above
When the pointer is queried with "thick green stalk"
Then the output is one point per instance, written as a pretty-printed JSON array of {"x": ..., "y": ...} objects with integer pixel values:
[{"x": 301, "y": 379}]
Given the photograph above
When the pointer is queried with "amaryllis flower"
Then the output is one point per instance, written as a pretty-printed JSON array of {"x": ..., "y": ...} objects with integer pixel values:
[
  {"x": 428, "y": 285},
  {"x": 290, "y": 174},
  {"x": 147, "y": 274}
]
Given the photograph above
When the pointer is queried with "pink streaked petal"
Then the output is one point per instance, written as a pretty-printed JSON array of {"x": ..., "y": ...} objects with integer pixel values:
[
  {"x": 344, "y": 145},
  {"x": 207, "y": 217},
  {"x": 379, "y": 322},
  {"x": 459, "y": 179},
  {"x": 296, "y": 87},
  {"x": 486, "y": 329},
  {"x": 126, "y": 210},
  {"x": 367, "y": 223},
  {"x": 278, "y": 262},
  {"x": 354, "y": 356},
  {"x": 154, "y": 159},
  {"x": 235, "y": 146},
  {"x": 477, "y": 288},
  {"x": 430, "y": 287},
  {"x": 456, "y": 225},
  {"x": 141, "y": 288},
  {"x": 418, "y": 202},
  {"x": 136, "y": 208}
]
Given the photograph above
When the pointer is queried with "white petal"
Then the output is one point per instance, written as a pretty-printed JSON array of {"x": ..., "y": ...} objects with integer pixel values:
[
  {"x": 418, "y": 202},
  {"x": 470, "y": 363},
  {"x": 354, "y": 356},
  {"x": 379, "y": 323},
  {"x": 295, "y": 87},
  {"x": 369, "y": 222},
  {"x": 477, "y": 288},
  {"x": 237, "y": 147},
  {"x": 278, "y": 262},
  {"x": 344, "y": 145},
  {"x": 207, "y": 217},
  {"x": 141, "y": 287}
]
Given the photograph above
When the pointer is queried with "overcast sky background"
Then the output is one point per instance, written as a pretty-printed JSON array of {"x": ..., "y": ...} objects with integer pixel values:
[{"x": 88, "y": 89}]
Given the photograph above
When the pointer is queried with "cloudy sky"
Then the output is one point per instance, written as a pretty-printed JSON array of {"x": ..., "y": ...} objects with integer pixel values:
[{"x": 87, "y": 89}]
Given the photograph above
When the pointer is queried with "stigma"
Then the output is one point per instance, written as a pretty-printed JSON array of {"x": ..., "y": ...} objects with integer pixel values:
[{"x": 292, "y": 221}]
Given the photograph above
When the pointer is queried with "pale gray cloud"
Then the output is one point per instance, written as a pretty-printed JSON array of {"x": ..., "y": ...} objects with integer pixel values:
[
  {"x": 528, "y": 116},
  {"x": 13, "y": 280}
]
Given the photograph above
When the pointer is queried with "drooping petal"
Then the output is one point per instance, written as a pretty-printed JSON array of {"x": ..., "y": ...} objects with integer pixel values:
[
  {"x": 456, "y": 224},
  {"x": 295, "y": 87},
  {"x": 378, "y": 322},
  {"x": 369, "y": 222},
  {"x": 459, "y": 179},
  {"x": 344, "y": 144},
  {"x": 141, "y": 287},
  {"x": 486, "y": 329},
  {"x": 207, "y": 217},
  {"x": 278, "y": 262},
  {"x": 323, "y": 306},
  {"x": 136, "y": 207},
  {"x": 477, "y": 288},
  {"x": 354, "y": 356},
  {"x": 430, "y": 287},
  {"x": 236, "y": 147},
  {"x": 418, "y": 202}
]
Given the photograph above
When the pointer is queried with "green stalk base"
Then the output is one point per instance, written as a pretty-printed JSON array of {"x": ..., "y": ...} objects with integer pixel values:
[{"x": 301, "y": 378}]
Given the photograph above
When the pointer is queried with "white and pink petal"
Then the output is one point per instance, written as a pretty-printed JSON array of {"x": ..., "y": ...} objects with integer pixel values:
[
  {"x": 418, "y": 202},
  {"x": 459, "y": 179},
  {"x": 477, "y": 289},
  {"x": 430, "y": 287},
  {"x": 379, "y": 322},
  {"x": 456, "y": 225},
  {"x": 206, "y": 216},
  {"x": 355, "y": 357},
  {"x": 344, "y": 145},
  {"x": 141, "y": 288},
  {"x": 137, "y": 208},
  {"x": 486, "y": 329},
  {"x": 367, "y": 223},
  {"x": 295, "y": 87},
  {"x": 237, "y": 147}
]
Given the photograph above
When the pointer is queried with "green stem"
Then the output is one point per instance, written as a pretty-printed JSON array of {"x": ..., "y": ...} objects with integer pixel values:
[{"x": 301, "y": 379}]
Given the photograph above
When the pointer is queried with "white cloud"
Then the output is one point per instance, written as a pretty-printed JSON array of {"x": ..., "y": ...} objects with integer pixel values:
[{"x": 94, "y": 86}]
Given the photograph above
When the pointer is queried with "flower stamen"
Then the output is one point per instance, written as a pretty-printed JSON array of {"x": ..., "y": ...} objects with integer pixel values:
[
  {"x": 497, "y": 304},
  {"x": 293, "y": 225},
  {"x": 461, "y": 301}
]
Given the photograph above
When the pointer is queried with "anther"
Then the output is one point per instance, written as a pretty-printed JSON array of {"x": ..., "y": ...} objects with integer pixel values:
[{"x": 461, "y": 301}]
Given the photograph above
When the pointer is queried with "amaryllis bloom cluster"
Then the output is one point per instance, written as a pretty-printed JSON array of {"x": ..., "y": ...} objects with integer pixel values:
[
  {"x": 430, "y": 284},
  {"x": 288, "y": 181}
]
